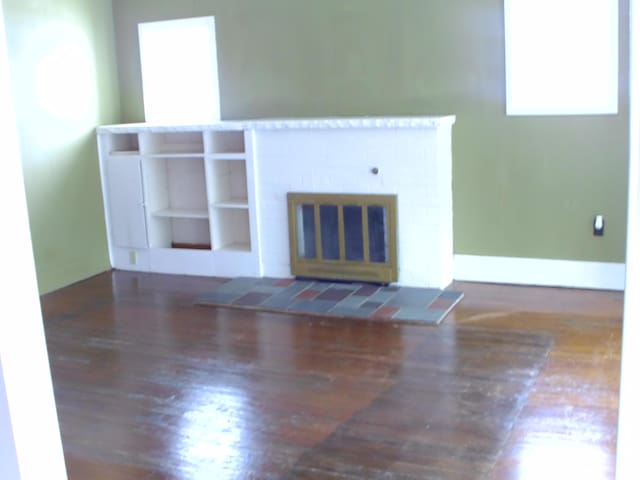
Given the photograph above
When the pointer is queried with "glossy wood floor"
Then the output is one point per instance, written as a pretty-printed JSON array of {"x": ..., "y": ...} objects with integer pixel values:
[{"x": 517, "y": 383}]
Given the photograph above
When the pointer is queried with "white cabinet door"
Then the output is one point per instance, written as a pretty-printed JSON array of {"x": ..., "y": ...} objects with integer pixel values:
[{"x": 125, "y": 202}]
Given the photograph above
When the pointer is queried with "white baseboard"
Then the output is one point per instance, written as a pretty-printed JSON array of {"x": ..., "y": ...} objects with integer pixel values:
[{"x": 538, "y": 271}]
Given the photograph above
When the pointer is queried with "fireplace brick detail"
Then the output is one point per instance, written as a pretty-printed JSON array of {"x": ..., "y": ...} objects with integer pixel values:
[{"x": 413, "y": 163}]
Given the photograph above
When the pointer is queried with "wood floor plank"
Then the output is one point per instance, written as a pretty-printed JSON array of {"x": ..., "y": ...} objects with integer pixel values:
[{"x": 149, "y": 386}]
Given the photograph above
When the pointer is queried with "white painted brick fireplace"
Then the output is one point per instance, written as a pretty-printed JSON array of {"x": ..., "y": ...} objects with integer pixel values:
[
  {"x": 413, "y": 160},
  {"x": 211, "y": 199}
]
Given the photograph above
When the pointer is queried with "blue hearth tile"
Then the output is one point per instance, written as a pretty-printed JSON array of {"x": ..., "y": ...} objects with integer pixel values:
[
  {"x": 295, "y": 288},
  {"x": 219, "y": 297},
  {"x": 351, "y": 302},
  {"x": 238, "y": 285},
  {"x": 311, "y": 306},
  {"x": 390, "y": 288},
  {"x": 413, "y": 297},
  {"x": 371, "y": 305},
  {"x": 382, "y": 296},
  {"x": 277, "y": 301},
  {"x": 251, "y": 299},
  {"x": 271, "y": 289}
]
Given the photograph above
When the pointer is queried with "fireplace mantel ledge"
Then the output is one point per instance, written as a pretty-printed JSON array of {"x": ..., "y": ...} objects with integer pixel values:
[
  {"x": 294, "y": 124},
  {"x": 355, "y": 122}
]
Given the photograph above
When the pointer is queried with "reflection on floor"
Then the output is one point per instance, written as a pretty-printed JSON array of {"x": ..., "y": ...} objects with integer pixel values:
[{"x": 150, "y": 386}]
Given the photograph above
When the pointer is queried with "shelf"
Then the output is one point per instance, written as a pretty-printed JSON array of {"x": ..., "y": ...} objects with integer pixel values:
[
  {"x": 226, "y": 156},
  {"x": 175, "y": 144},
  {"x": 235, "y": 247},
  {"x": 191, "y": 246},
  {"x": 173, "y": 154},
  {"x": 232, "y": 203},
  {"x": 181, "y": 213},
  {"x": 123, "y": 144},
  {"x": 228, "y": 180},
  {"x": 222, "y": 142},
  {"x": 230, "y": 229},
  {"x": 124, "y": 153}
]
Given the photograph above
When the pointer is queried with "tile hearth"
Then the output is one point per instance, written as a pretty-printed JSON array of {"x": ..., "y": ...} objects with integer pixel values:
[{"x": 359, "y": 300}]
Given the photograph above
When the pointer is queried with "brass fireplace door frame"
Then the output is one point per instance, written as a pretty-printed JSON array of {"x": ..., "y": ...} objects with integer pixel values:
[{"x": 343, "y": 269}]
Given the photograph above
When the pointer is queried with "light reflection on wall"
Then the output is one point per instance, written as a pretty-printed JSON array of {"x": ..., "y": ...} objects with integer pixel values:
[
  {"x": 65, "y": 78},
  {"x": 213, "y": 439}
]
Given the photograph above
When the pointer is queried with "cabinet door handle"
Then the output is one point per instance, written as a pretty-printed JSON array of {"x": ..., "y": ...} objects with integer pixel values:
[{"x": 375, "y": 170}]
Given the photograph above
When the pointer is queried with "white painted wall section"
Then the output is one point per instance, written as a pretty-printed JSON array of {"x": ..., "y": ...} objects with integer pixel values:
[
  {"x": 30, "y": 445},
  {"x": 628, "y": 460}
]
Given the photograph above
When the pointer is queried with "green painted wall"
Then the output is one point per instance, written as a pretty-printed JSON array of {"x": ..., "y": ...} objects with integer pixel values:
[
  {"x": 523, "y": 187},
  {"x": 65, "y": 84}
]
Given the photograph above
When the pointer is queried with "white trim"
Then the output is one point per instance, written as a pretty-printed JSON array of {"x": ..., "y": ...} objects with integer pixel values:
[
  {"x": 628, "y": 461},
  {"x": 331, "y": 123},
  {"x": 30, "y": 443},
  {"x": 540, "y": 271}
]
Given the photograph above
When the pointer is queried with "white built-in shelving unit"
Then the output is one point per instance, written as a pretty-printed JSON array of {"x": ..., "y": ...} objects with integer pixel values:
[
  {"x": 178, "y": 199},
  {"x": 226, "y": 162}
]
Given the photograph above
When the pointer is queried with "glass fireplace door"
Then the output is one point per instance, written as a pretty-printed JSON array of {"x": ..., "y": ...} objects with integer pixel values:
[{"x": 344, "y": 237}]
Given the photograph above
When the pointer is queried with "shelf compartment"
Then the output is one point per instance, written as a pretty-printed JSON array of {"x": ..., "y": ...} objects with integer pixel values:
[
  {"x": 235, "y": 247},
  {"x": 124, "y": 144},
  {"x": 174, "y": 185},
  {"x": 226, "y": 156},
  {"x": 232, "y": 203},
  {"x": 181, "y": 213},
  {"x": 124, "y": 153},
  {"x": 224, "y": 142},
  {"x": 228, "y": 182},
  {"x": 176, "y": 144},
  {"x": 179, "y": 233},
  {"x": 230, "y": 229},
  {"x": 186, "y": 156},
  {"x": 176, "y": 202}
]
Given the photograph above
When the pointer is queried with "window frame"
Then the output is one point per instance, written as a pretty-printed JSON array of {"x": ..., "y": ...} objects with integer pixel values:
[
  {"x": 523, "y": 99},
  {"x": 193, "y": 97}
]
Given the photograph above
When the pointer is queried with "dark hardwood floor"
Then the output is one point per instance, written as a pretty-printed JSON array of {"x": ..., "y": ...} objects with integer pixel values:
[{"x": 517, "y": 383}]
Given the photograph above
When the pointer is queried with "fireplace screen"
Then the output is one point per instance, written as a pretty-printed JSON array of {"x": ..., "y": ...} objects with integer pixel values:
[{"x": 345, "y": 237}]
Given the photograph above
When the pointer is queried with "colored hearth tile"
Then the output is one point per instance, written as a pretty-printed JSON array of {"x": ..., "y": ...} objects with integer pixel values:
[{"x": 357, "y": 300}]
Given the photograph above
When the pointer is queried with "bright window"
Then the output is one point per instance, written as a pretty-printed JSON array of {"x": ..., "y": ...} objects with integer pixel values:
[
  {"x": 179, "y": 71},
  {"x": 561, "y": 57}
]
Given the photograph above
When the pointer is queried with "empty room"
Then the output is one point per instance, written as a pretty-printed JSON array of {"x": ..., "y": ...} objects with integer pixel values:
[{"x": 287, "y": 239}]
